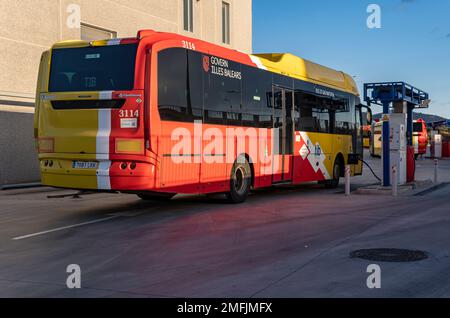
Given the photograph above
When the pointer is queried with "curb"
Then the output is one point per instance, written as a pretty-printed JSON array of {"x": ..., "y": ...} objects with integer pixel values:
[
  {"x": 432, "y": 188},
  {"x": 21, "y": 186},
  {"x": 413, "y": 189}
]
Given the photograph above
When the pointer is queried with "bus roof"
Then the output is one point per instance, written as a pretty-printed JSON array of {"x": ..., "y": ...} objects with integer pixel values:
[
  {"x": 294, "y": 66},
  {"x": 282, "y": 63}
]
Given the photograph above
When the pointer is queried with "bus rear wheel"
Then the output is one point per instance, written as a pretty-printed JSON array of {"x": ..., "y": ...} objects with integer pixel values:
[
  {"x": 241, "y": 178},
  {"x": 337, "y": 168}
]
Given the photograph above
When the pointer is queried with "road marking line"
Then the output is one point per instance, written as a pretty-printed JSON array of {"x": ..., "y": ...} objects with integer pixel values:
[{"x": 65, "y": 228}]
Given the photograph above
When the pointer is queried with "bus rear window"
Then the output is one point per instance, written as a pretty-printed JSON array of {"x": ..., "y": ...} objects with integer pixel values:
[{"x": 105, "y": 68}]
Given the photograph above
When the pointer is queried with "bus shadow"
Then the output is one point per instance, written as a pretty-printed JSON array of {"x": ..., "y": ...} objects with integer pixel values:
[
  {"x": 187, "y": 204},
  {"x": 271, "y": 193}
]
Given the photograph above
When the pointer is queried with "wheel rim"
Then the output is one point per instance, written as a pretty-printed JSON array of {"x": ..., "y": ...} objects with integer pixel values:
[
  {"x": 336, "y": 171},
  {"x": 239, "y": 180}
]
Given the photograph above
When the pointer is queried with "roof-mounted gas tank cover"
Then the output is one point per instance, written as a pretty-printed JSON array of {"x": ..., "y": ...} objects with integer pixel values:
[{"x": 294, "y": 66}]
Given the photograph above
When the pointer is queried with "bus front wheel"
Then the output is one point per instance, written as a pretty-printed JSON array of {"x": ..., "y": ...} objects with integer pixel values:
[
  {"x": 241, "y": 177},
  {"x": 337, "y": 168}
]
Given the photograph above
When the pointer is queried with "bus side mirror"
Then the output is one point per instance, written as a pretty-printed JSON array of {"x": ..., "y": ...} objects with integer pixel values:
[{"x": 369, "y": 116}]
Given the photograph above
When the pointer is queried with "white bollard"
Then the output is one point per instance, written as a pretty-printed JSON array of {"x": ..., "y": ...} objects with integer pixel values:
[
  {"x": 394, "y": 181},
  {"x": 436, "y": 166},
  {"x": 347, "y": 180}
]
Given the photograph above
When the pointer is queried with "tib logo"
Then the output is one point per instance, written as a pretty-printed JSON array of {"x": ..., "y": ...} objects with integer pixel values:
[{"x": 206, "y": 63}]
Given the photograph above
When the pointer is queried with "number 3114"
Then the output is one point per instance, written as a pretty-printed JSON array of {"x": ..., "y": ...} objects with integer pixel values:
[{"x": 128, "y": 113}]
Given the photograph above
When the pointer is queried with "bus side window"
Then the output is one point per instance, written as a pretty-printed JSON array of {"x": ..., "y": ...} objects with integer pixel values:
[
  {"x": 256, "y": 97},
  {"x": 297, "y": 111},
  {"x": 195, "y": 85},
  {"x": 172, "y": 84},
  {"x": 223, "y": 96},
  {"x": 343, "y": 116},
  {"x": 323, "y": 119},
  {"x": 314, "y": 115},
  {"x": 179, "y": 88},
  {"x": 305, "y": 122}
]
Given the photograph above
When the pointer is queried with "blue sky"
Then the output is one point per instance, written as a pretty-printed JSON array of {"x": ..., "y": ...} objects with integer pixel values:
[{"x": 413, "y": 44}]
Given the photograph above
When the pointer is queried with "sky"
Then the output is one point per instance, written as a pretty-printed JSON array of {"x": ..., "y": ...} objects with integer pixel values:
[{"x": 412, "y": 45}]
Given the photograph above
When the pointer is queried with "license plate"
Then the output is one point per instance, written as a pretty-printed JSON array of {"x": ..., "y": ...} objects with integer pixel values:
[{"x": 85, "y": 165}]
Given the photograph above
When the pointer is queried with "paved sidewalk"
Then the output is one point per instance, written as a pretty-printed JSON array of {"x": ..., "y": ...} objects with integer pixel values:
[{"x": 424, "y": 177}]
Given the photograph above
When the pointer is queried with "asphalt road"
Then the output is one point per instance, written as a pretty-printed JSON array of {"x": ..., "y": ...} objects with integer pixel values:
[{"x": 285, "y": 242}]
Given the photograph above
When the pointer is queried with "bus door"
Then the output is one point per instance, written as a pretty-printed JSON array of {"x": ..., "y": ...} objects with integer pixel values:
[{"x": 283, "y": 101}]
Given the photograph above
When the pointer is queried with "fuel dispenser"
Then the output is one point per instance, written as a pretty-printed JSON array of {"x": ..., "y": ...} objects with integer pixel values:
[
  {"x": 437, "y": 146},
  {"x": 397, "y": 146},
  {"x": 398, "y": 99}
]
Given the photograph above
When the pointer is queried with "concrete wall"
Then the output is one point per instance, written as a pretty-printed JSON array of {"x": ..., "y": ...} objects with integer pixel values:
[
  {"x": 29, "y": 27},
  {"x": 18, "y": 158}
]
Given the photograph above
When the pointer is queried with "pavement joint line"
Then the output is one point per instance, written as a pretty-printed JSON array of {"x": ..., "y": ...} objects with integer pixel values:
[
  {"x": 87, "y": 288},
  {"x": 69, "y": 227}
]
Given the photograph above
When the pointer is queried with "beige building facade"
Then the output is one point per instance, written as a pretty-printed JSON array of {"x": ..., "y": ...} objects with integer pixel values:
[{"x": 29, "y": 27}]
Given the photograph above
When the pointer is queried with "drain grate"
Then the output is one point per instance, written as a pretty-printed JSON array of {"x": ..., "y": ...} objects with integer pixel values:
[{"x": 389, "y": 255}]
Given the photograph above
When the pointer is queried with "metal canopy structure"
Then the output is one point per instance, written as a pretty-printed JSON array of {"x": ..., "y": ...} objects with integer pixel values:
[
  {"x": 388, "y": 93},
  {"x": 434, "y": 125}
]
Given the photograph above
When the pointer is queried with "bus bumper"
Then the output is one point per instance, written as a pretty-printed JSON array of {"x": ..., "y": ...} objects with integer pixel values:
[{"x": 107, "y": 176}]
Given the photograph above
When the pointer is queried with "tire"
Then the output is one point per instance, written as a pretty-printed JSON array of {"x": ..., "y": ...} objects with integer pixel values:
[
  {"x": 157, "y": 196},
  {"x": 240, "y": 181},
  {"x": 337, "y": 168}
]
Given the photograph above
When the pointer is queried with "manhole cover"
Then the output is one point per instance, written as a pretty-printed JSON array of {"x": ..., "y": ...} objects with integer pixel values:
[{"x": 389, "y": 255}]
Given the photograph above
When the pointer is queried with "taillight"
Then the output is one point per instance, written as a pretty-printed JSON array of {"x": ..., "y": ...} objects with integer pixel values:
[
  {"x": 46, "y": 145},
  {"x": 129, "y": 146}
]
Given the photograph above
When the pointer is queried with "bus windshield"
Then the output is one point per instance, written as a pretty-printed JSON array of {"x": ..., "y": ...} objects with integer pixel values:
[{"x": 103, "y": 68}]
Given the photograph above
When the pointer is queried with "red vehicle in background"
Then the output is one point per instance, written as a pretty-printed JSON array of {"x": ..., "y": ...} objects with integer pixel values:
[{"x": 420, "y": 137}]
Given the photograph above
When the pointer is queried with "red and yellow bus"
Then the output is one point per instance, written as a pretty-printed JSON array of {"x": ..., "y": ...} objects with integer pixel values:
[{"x": 162, "y": 114}]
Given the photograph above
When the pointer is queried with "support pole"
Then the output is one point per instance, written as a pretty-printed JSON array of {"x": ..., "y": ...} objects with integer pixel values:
[
  {"x": 386, "y": 146},
  {"x": 394, "y": 181},
  {"x": 347, "y": 180},
  {"x": 436, "y": 166}
]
